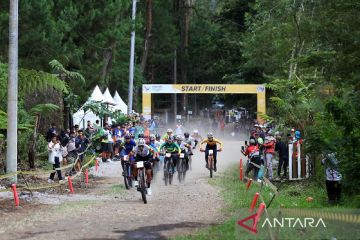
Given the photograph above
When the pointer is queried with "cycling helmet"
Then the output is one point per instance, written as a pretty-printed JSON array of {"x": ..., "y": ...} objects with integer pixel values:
[
  {"x": 252, "y": 142},
  {"x": 152, "y": 136},
  {"x": 141, "y": 135},
  {"x": 127, "y": 136},
  {"x": 169, "y": 130},
  {"x": 186, "y": 135},
  {"x": 141, "y": 142},
  {"x": 157, "y": 136},
  {"x": 170, "y": 139},
  {"x": 196, "y": 131},
  {"x": 179, "y": 138},
  {"x": 260, "y": 141},
  {"x": 210, "y": 135}
]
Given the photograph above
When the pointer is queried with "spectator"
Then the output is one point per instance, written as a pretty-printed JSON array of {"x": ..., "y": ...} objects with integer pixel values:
[
  {"x": 283, "y": 152},
  {"x": 51, "y": 132},
  {"x": 55, "y": 157},
  {"x": 269, "y": 150},
  {"x": 81, "y": 144},
  {"x": 333, "y": 178}
]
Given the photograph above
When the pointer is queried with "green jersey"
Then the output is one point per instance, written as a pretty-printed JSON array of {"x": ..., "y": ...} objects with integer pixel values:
[{"x": 170, "y": 147}]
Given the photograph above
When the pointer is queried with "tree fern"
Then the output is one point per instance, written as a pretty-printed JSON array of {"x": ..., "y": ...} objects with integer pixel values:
[{"x": 60, "y": 69}]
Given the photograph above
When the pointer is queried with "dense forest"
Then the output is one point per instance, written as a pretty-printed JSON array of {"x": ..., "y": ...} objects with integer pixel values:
[{"x": 306, "y": 51}]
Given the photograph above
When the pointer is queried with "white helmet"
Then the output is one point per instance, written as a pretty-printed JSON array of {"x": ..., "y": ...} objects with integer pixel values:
[
  {"x": 210, "y": 135},
  {"x": 196, "y": 131},
  {"x": 169, "y": 130},
  {"x": 141, "y": 142}
]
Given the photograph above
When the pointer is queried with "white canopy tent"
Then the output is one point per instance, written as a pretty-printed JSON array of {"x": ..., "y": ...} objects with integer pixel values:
[
  {"x": 80, "y": 117},
  {"x": 120, "y": 104}
]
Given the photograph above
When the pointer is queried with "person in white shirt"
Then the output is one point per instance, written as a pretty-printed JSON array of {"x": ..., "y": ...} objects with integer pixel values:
[{"x": 55, "y": 157}]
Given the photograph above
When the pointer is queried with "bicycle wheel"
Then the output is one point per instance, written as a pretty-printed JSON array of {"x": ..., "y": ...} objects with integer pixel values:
[
  {"x": 142, "y": 186},
  {"x": 189, "y": 165},
  {"x": 180, "y": 170},
  {"x": 166, "y": 173},
  {"x": 170, "y": 171},
  {"x": 126, "y": 176},
  {"x": 211, "y": 162}
]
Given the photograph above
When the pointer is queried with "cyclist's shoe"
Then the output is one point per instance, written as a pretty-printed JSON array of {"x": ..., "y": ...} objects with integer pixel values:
[
  {"x": 215, "y": 169},
  {"x": 136, "y": 183},
  {"x": 149, "y": 191}
]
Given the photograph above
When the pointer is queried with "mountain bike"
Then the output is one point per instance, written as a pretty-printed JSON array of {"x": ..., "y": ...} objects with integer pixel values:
[
  {"x": 142, "y": 183},
  {"x": 127, "y": 173},
  {"x": 181, "y": 167},
  {"x": 168, "y": 169},
  {"x": 210, "y": 161}
]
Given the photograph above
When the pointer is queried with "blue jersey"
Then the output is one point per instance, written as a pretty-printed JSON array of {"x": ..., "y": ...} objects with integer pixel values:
[
  {"x": 153, "y": 146},
  {"x": 128, "y": 146}
]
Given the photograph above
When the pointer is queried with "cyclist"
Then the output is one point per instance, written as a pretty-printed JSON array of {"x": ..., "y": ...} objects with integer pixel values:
[
  {"x": 190, "y": 142},
  {"x": 196, "y": 138},
  {"x": 184, "y": 149},
  {"x": 127, "y": 147},
  {"x": 211, "y": 144},
  {"x": 171, "y": 147},
  {"x": 158, "y": 140},
  {"x": 143, "y": 153},
  {"x": 153, "y": 146},
  {"x": 179, "y": 129},
  {"x": 168, "y": 134}
]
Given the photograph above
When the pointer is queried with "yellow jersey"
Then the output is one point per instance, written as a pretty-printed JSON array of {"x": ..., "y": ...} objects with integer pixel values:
[{"x": 212, "y": 143}]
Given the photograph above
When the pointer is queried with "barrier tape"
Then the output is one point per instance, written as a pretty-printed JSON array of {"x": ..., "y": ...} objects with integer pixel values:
[
  {"x": 341, "y": 217},
  {"x": 303, "y": 212},
  {"x": 35, "y": 173}
]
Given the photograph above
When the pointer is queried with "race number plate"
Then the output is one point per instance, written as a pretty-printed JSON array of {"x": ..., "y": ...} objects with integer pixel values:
[
  {"x": 140, "y": 164},
  {"x": 126, "y": 158},
  {"x": 168, "y": 155},
  {"x": 211, "y": 152},
  {"x": 182, "y": 155}
]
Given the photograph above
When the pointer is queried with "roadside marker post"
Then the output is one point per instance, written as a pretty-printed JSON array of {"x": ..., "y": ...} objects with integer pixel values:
[
  {"x": 249, "y": 184},
  {"x": 70, "y": 185},
  {"x": 96, "y": 165},
  {"x": 259, "y": 213},
  {"x": 241, "y": 169},
  {"x": 254, "y": 201},
  {"x": 86, "y": 176},
  {"x": 16, "y": 197}
]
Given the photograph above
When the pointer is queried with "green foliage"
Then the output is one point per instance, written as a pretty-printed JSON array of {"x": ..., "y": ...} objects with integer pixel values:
[
  {"x": 43, "y": 109},
  {"x": 66, "y": 74},
  {"x": 307, "y": 52}
]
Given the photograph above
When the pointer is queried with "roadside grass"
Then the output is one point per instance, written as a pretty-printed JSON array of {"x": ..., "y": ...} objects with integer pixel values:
[
  {"x": 70, "y": 206},
  {"x": 116, "y": 189},
  {"x": 237, "y": 199}
]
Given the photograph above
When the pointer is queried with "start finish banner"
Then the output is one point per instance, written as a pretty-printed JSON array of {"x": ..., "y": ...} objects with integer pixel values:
[
  {"x": 149, "y": 89},
  {"x": 203, "y": 88}
]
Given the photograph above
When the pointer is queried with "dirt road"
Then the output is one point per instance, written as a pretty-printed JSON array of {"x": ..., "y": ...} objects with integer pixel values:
[{"x": 108, "y": 211}]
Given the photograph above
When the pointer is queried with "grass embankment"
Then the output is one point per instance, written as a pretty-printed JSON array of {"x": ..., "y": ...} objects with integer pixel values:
[{"x": 237, "y": 199}]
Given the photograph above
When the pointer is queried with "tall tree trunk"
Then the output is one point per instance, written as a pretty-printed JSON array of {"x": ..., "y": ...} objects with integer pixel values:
[
  {"x": 149, "y": 23},
  {"x": 108, "y": 59}
]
